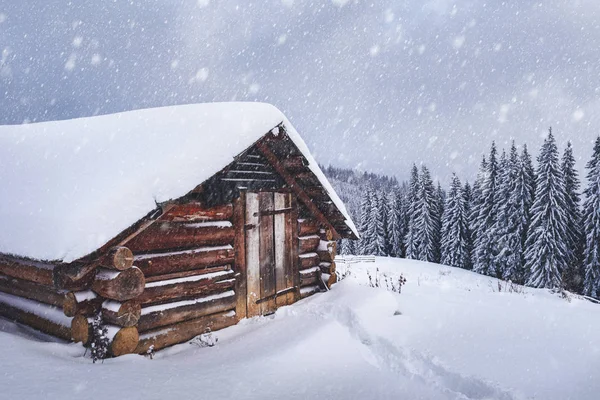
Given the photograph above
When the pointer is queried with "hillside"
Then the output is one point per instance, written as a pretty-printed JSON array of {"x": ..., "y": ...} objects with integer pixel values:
[{"x": 450, "y": 334}]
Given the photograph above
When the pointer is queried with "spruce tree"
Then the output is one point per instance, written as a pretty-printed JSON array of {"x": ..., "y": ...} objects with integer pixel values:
[
  {"x": 468, "y": 199},
  {"x": 573, "y": 276},
  {"x": 379, "y": 217},
  {"x": 546, "y": 252},
  {"x": 396, "y": 223},
  {"x": 412, "y": 245},
  {"x": 454, "y": 228},
  {"x": 485, "y": 248},
  {"x": 591, "y": 212},
  {"x": 365, "y": 225},
  {"x": 427, "y": 224},
  {"x": 476, "y": 199}
]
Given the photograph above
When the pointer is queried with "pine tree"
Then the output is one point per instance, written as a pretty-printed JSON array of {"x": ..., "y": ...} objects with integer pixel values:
[
  {"x": 454, "y": 228},
  {"x": 427, "y": 224},
  {"x": 573, "y": 276},
  {"x": 485, "y": 248},
  {"x": 348, "y": 247},
  {"x": 527, "y": 165},
  {"x": 476, "y": 201},
  {"x": 412, "y": 246},
  {"x": 546, "y": 252},
  {"x": 591, "y": 211},
  {"x": 365, "y": 225},
  {"x": 468, "y": 199},
  {"x": 379, "y": 217},
  {"x": 396, "y": 223}
]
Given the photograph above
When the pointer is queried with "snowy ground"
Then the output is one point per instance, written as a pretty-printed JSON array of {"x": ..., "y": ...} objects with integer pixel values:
[{"x": 449, "y": 335}]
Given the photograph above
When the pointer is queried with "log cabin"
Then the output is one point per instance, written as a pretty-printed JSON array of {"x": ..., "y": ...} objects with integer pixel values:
[{"x": 167, "y": 222}]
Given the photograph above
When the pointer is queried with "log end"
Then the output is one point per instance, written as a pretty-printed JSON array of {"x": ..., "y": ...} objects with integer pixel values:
[
  {"x": 125, "y": 341},
  {"x": 80, "y": 329},
  {"x": 70, "y": 305},
  {"x": 332, "y": 280},
  {"x": 120, "y": 258}
]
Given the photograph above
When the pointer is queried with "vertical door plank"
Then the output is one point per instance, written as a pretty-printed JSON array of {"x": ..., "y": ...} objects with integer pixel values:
[
  {"x": 267, "y": 253},
  {"x": 294, "y": 251},
  {"x": 252, "y": 254},
  {"x": 280, "y": 248},
  {"x": 239, "y": 221}
]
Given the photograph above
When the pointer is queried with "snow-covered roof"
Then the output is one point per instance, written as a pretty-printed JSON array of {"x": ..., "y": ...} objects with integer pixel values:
[{"x": 67, "y": 187}]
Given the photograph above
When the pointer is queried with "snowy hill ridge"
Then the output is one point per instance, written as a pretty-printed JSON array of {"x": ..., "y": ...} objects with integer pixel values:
[{"x": 450, "y": 334}]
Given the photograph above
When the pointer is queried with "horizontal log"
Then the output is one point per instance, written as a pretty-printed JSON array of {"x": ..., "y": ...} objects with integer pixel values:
[
  {"x": 85, "y": 303},
  {"x": 31, "y": 290},
  {"x": 121, "y": 314},
  {"x": 196, "y": 212},
  {"x": 167, "y": 314},
  {"x": 325, "y": 255},
  {"x": 308, "y": 244},
  {"x": 121, "y": 285},
  {"x": 171, "y": 236},
  {"x": 309, "y": 277},
  {"x": 42, "y": 317},
  {"x": 166, "y": 263},
  {"x": 121, "y": 340},
  {"x": 75, "y": 276},
  {"x": 326, "y": 234},
  {"x": 184, "y": 331},
  {"x": 327, "y": 267},
  {"x": 32, "y": 271},
  {"x": 308, "y": 260},
  {"x": 191, "y": 286},
  {"x": 185, "y": 274},
  {"x": 307, "y": 226},
  {"x": 119, "y": 258},
  {"x": 308, "y": 291}
]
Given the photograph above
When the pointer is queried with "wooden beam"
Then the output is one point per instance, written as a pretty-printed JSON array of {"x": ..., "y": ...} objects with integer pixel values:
[
  {"x": 239, "y": 245},
  {"x": 293, "y": 184}
]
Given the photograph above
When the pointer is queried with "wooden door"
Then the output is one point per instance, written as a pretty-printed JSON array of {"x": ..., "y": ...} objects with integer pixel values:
[{"x": 269, "y": 251}]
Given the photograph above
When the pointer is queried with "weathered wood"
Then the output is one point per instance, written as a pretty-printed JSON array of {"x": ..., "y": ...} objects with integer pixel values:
[
  {"x": 167, "y": 314},
  {"x": 239, "y": 220},
  {"x": 279, "y": 236},
  {"x": 327, "y": 267},
  {"x": 85, "y": 303},
  {"x": 166, "y": 263},
  {"x": 252, "y": 255},
  {"x": 326, "y": 234},
  {"x": 81, "y": 329},
  {"x": 267, "y": 253},
  {"x": 120, "y": 286},
  {"x": 32, "y": 271},
  {"x": 308, "y": 244},
  {"x": 184, "y": 331},
  {"x": 173, "y": 235},
  {"x": 185, "y": 274},
  {"x": 74, "y": 276},
  {"x": 331, "y": 280},
  {"x": 295, "y": 163},
  {"x": 293, "y": 184},
  {"x": 125, "y": 341},
  {"x": 325, "y": 255},
  {"x": 119, "y": 258},
  {"x": 121, "y": 314},
  {"x": 327, "y": 251},
  {"x": 309, "y": 277},
  {"x": 31, "y": 290},
  {"x": 308, "y": 260},
  {"x": 39, "y": 316},
  {"x": 196, "y": 212},
  {"x": 292, "y": 237},
  {"x": 308, "y": 291},
  {"x": 307, "y": 227},
  {"x": 195, "y": 286}
]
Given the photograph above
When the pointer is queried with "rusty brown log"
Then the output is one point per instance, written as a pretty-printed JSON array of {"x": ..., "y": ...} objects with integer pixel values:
[
  {"x": 331, "y": 280},
  {"x": 196, "y": 212},
  {"x": 308, "y": 244},
  {"x": 184, "y": 331},
  {"x": 295, "y": 164},
  {"x": 119, "y": 258},
  {"x": 119, "y": 285},
  {"x": 172, "y": 236},
  {"x": 166, "y": 263},
  {"x": 32, "y": 271},
  {"x": 308, "y": 291},
  {"x": 309, "y": 277},
  {"x": 181, "y": 288},
  {"x": 74, "y": 276},
  {"x": 326, "y": 234},
  {"x": 327, "y": 267},
  {"x": 121, "y": 314},
  {"x": 85, "y": 303},
  {"x": 42, "y": 317},
  {"x": 307, "y": 226},
  {"x": 158, "y": 316},
  {"x": 81, "y": 329},
  {"x": 184, "y": 274},
  {"x": 121, "y": 340},
  {"x": 308, "y": 260},
  {"x": 31, "y": 290}
]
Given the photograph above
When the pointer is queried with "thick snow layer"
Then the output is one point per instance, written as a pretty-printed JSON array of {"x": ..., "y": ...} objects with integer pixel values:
[
  {"x": 50, "y": 313},
  {"x": 450, "y": 334},
  {"x": 70, "y": 186}
]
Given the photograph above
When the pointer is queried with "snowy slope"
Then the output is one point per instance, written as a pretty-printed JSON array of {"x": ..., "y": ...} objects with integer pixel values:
[
  {"x": 70, "y": 186},
  {"x": 454, "y": 336}
]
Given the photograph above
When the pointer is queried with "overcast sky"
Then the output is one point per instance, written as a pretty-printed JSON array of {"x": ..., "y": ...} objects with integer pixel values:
[{"x": 375, "y": 85}]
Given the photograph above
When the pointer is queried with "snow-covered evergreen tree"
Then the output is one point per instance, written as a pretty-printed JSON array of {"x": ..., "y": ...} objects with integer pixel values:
[
  {"x": 379, "y": 217},
  {"x": 396, "y": 223},
  {"x": 348, "y": 247},
  {"x": 485, "y": 248},
  {"x": 454, "y": 227},
  {"x": 412, "y": 245},
  {"x": 475, "y": 205},
  {"x": 427, "y": 224},
  {"x": 573, "y": 276},
  {"x": 591, "y": 212},
  {"x": 546, "y": 252},
  {"x": 366, "y": 225},
  {"x": 468, "y": 199}
]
